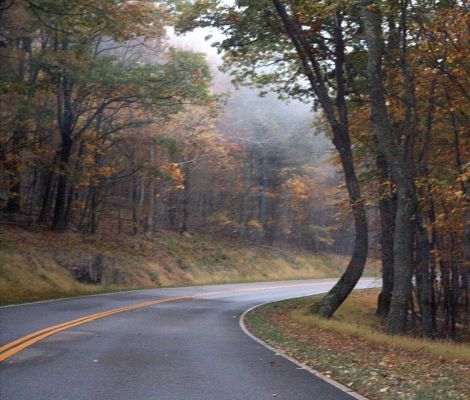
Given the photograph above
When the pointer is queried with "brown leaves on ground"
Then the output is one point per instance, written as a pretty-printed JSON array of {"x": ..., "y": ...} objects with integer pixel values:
[{"x": 379, "y": 371}]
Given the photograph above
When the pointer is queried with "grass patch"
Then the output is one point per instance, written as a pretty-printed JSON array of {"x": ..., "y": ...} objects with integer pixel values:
[
  {"x": 352, "y": 348},
  {"x": 38, "y": 265},
  {"x": 28, "y": 277}
]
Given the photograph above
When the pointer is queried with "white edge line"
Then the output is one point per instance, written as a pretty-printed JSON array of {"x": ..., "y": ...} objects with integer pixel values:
[{"x": 305, "y": 367}]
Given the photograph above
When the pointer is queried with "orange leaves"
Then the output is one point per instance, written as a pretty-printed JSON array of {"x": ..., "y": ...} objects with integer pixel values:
[
  {"x": 105, "y": 171},
  {"x": 298, "y": 188},
  {"x": 176, "y": 175}
]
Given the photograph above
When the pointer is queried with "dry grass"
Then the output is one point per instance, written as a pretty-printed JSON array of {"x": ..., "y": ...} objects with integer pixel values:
[
  {"x": 45, "y": 275},
  {"x": 37, "y": 265},
  {"x": 356, "y": 317},
  {"x": 353, "y": 349}
]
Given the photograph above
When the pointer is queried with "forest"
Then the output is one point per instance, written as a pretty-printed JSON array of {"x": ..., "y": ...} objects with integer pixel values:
[{"x": 358, "y": 145}]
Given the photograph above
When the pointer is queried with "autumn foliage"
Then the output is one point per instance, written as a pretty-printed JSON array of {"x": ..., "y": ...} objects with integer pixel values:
[{"x": 106, "y": 128}]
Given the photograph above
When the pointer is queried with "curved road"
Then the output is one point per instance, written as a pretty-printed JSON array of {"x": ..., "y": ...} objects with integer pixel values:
[{"x": 175, "y": 344}]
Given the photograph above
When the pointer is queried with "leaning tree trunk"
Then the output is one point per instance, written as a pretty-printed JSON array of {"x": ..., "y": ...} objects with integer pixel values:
[
  {"x": 335, "y": 297},
  {"x": 337, "y": 118}
]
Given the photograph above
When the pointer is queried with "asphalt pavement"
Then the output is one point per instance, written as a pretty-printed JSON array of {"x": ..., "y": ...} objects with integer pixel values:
[{"x": 179, "y": 344}]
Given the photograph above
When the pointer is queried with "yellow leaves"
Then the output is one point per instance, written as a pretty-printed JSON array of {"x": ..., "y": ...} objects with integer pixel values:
[
  {"x": 441, "y": 217},
  {"x": 105, "y": 171},
  {"x": 176, "y": 175},
  {"x": 255, "y": 224},
  {"x": 464, "y": 177},
  {"x": 297, "y": 187}
]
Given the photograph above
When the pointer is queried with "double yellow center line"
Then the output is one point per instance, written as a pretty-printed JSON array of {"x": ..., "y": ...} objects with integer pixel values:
[{"x": 10, "y": 349}]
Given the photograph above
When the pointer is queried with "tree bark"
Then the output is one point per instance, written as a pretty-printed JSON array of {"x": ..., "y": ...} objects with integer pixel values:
[
  {"x": 94, "y": 209},
  {"x": 387, "y": 211},
  {"x": 66, "y": 118},
  {"x": 401, "y": 172},
  {"x": 47, "y": 194},
  {"x": 59, "y": 223}
]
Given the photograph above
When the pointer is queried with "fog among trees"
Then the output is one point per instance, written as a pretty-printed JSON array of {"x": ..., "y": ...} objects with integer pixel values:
[{"x": 112, "y": 124}]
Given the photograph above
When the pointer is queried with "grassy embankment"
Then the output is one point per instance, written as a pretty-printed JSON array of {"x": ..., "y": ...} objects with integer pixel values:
[
  {"x": 352, "y": 349},
  {"x": 38, "y": 265}
]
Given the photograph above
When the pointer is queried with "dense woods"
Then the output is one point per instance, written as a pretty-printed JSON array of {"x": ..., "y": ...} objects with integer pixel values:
[
  {"x": 108, "y": 128},
  {"x": 102, "y": 132}
]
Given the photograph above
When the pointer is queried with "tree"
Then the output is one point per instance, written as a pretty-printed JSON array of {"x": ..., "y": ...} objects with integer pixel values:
[
  {"x": 401, "y": 172},
  {"x": 413, "y": 87},
  {"x": 74, "y": 51},
  {"x": 254, "y": 42}
]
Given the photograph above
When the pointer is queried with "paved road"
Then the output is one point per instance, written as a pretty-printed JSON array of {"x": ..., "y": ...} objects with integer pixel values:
[{"x": 187, "y": 349}]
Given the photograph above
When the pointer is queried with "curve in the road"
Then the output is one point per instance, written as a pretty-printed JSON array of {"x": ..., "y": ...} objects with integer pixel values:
[{"x": 10, "y": 349}]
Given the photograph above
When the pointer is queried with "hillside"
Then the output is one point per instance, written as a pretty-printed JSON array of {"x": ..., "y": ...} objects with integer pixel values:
[{"x": 41, "y": 264}]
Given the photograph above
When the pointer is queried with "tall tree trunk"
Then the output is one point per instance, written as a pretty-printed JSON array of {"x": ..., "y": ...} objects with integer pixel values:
[
  {"x": 135, "y": 211},
  {"x": 87, "y": 205},
  {"x": 47, "y": 194},
  {"x": 387, "y": 211},
  {"x": 66, "y": 118},
  {"x": 465, "y": 187},
  {"x": 434, "y": 261},
  {"x": 401, "y": 172},
  {"x": 140, "y": 211},
  {"x": 59, "y": 223},
  {"x": 425, "y": 283},
  {"x": 78, "y": 168},
  {"x": 14, "y": 175},
  {"x": 150, "y": 225},
  {"x": 245, "y": 211},
  {"x": 185, "y": 200},
  {"x": 94, "y": 209}
]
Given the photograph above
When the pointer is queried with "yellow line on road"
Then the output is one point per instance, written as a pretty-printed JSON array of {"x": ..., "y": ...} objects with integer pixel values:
[{"x": 10, "y": 349}]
